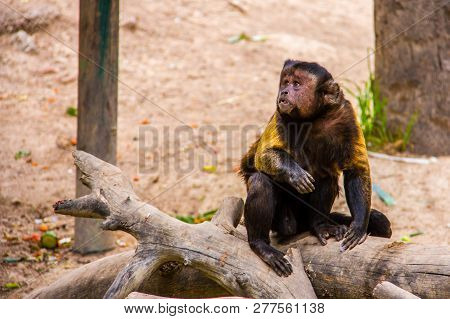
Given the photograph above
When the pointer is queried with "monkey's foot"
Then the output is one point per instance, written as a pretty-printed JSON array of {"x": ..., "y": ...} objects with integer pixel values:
[
  {"x": 273, "y": 257},
  {"x": 325, "y": 231}
]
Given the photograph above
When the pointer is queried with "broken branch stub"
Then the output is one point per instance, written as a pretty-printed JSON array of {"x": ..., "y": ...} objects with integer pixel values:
[{"x": 387, "y": 290}]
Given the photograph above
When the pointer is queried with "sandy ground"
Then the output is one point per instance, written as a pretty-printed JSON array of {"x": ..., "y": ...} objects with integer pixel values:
[{"x": 177, "y": 68}]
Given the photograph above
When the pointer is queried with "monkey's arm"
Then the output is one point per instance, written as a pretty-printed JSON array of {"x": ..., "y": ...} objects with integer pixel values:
[
  {"x": 358, "y": 195},
  {"x": 283, "y": 168}
]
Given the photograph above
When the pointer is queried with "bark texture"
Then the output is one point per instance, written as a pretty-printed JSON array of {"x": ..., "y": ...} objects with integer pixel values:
[{"x": 412, "y": 65}]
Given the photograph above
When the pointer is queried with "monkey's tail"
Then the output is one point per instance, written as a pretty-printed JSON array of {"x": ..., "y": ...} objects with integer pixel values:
[{"x": 379, "y": 224}]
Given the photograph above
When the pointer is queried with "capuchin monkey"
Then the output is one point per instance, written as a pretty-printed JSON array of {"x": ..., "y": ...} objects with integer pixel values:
[{"x": 292, "y": 170}]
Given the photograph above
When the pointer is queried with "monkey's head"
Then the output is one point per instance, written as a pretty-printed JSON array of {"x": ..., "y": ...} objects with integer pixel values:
[{"x": 306, "y": 89}]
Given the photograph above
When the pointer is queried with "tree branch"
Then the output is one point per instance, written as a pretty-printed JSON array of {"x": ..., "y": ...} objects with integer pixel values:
[{"x": 220, "y": 256}]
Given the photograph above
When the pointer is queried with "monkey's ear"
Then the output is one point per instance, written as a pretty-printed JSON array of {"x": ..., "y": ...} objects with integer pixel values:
[{"x": 331, "y": 93}]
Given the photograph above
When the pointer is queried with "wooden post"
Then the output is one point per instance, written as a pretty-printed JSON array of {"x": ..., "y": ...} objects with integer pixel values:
[{"x": 97, "y": 103}]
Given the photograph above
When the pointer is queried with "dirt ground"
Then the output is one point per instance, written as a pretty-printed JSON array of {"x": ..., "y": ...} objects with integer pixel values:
[{"x": 178, "y": 58}]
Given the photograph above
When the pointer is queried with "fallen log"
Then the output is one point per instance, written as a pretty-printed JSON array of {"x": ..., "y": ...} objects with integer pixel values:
[
  {"x": 140, "y": 295},
  {"x": 424, "y": 270},
  {"x": 336, "y": 277},
  {"x": 213, "y": 259},
  {"x": 165, "y": 242}
]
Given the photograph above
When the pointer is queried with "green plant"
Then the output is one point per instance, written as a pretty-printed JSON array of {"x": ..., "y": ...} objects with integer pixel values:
[
  {"x": 72, "y": 111},
  {"x": 197, "y": 219},
  {"x": 406, "y": 136},
  {"x": 371, "y": 109},
  {"x": 21, "y": 153}
]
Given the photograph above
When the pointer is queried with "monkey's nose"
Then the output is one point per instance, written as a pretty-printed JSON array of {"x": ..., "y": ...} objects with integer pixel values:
[{"x": 284, "y": 93}]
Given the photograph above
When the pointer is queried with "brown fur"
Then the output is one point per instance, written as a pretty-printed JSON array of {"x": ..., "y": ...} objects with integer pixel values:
[{"x": 293, "y": 168}]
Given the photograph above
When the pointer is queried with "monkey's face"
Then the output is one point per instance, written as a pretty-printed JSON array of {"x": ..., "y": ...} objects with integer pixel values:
[{"x": 297, "y": 94}]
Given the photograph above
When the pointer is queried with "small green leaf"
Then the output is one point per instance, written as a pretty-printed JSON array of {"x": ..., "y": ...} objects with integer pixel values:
[
  {"x": 186, "y": 219},
  {"x": 405, "y": 239},
  {"x": 209, "y": 168},
  {"x": 199, "y": 218},
  {"x": 209, "y": 214},
  {"x": 417, "y": 233},
  {"x": 22, "y": 153},
  {"x": 239, "y": 37},
  {"x": 72, "y": 111},
  {"x": 245, "y": 37},
  {"x": 12, "y": 285}
]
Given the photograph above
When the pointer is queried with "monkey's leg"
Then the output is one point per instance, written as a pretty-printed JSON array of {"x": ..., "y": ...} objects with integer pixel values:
[
  {"x": 320, "y": 203},
  {"x": 259, "y": 211},
  {"x": 285, "y": 222}
]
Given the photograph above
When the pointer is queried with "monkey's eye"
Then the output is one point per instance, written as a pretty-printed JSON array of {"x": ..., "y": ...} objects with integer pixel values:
[
  {"x": 285, "y": 82},
  {"x": 296, "y": 84}
]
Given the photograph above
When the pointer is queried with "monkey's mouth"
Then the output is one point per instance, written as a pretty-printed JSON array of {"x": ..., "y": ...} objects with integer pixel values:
[
  {"x": 285, "y": 106},
  {"x": 283, "y": 101}
]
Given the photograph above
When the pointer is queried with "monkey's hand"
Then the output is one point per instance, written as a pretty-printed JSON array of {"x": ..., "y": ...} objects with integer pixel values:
[
  {"x": 301, "y": 181},
  {"x": 355, "y": 235}
]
